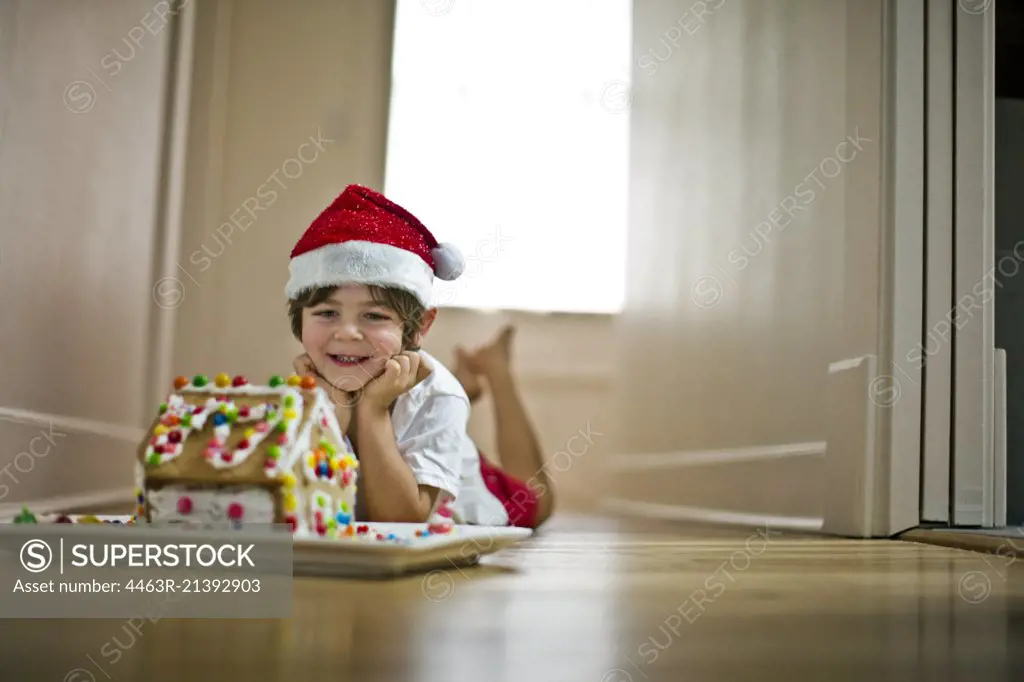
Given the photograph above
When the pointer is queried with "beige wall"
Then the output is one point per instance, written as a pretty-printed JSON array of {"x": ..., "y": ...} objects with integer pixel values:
[
  {"x": 265, "y": 156},
  {"x": 744, "y": 285},
  {"x": 80, "y": 112}
]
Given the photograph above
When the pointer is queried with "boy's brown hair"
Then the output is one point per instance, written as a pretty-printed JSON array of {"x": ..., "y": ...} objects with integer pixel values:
[{"x": 408, "y": 308}]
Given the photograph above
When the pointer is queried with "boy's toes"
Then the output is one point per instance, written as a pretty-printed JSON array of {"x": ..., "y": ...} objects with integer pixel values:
[
  {"x": 463, "y": 361},
  {"x": 506, "y": 335}
]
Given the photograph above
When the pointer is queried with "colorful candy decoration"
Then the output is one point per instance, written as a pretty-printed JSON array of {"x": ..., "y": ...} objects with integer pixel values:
[
  {"x": 235, "y": 511},
  {"x": 308, "y": 382},
  {"x": 25, "y": 516},
  {"x": 222, "y": 380},
  {"x": 321, "y": 527}
]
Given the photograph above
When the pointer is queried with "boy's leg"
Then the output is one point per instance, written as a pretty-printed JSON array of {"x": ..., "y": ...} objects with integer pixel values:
[
  {"x": 465, "y": 375},
  {"x": 518, "y": 446}
]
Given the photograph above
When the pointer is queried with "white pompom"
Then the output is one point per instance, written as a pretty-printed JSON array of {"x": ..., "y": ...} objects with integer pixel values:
[{"x": 448, "y": 262}]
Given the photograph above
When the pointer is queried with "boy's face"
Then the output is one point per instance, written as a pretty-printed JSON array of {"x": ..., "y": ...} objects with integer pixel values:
[{"x": 350, "y": 337}]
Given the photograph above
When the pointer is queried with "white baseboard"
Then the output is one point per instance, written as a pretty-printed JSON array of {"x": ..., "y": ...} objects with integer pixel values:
[
  {"x": 73, "y": 424},
  {"x": 64, "y": 503},
  {"x": 852, "y": 393},
  {"x": 670, "y": 512},
  {"x": 999, "y": 441},
  {"x": 687, "y": 458},
  {"x": 969, "y": 515},
  {"x": 643, "y": 462}
]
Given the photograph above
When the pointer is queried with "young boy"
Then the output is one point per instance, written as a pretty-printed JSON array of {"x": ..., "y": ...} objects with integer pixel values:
[{"x": 360, "y": 303}]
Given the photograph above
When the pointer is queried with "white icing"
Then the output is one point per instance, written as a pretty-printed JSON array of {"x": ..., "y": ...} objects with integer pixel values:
[
  {"x": 246, "y": 389},
  {"x": 319, "y": 502},
  {"x": 262, "y": 416},
  {"x": 257, "y": 413},
  {"x": 325, "y": 410},
  {"x": 298, "y": 444},
  {"x": 210, "y": 505}
]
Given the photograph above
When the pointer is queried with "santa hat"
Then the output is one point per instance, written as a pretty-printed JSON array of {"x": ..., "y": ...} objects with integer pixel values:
[{"x": 364, "y": 238}]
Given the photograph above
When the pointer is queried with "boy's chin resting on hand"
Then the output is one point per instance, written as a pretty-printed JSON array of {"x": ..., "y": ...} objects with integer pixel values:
[{"x": 401, "y": 373}]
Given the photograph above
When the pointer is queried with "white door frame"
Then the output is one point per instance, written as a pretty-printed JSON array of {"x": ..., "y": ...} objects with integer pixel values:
[
  {"x": 172, "y": 191},
  {"x": 936, "y": 351},
  {"x": 872, "y": 472},
  {"x": 959, "y": 462},
  {"x": 904, "y": 173},
  {"x": 973, "y": 478}
]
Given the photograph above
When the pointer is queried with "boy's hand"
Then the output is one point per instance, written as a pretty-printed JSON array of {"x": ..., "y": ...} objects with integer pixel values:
[
  {"x": 401, "y": 372},
  {"x": 343, "y": 400},
  {"x": 303, "y": 365}
]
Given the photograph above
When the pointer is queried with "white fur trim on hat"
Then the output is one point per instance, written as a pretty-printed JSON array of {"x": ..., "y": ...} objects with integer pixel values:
[{"x": 361, "y": 262}]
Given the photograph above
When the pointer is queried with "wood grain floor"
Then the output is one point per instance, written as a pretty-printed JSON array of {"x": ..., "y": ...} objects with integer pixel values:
[{"x": 596, "y": 601}]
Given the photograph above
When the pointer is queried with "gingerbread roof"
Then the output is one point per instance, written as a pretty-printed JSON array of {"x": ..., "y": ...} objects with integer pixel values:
[{"x": 228, "y": 431}]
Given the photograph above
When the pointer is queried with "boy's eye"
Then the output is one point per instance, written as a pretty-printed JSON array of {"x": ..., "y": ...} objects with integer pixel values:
[
  {"x": 377, "y": 316},
  {"x": 325, "y": 313}
]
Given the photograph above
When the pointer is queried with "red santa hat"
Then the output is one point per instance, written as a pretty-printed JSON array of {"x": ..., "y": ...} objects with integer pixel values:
[{"x": 365, "y": 238}]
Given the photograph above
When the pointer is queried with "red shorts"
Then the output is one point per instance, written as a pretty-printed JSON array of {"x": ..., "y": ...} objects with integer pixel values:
[{"x": 519, "y": 500}]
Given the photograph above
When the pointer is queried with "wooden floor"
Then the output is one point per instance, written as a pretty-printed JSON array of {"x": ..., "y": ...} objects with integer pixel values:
[{"x": 594, "y": 601}]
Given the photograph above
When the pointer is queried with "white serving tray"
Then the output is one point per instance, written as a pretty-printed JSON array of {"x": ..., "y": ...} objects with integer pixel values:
[
  {"x": 370, "y": 558},
  {"x": 463, "y": 546}
]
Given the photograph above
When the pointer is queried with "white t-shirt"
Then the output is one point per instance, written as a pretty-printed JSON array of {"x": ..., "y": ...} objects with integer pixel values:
[{"x": 431, "y": 422}]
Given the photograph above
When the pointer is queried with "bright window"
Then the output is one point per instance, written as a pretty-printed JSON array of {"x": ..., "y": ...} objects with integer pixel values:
[{"x": 509, "y": 137}]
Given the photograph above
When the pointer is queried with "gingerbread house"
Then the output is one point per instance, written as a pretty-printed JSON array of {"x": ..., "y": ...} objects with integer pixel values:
[{"x": 228, "y": 453}]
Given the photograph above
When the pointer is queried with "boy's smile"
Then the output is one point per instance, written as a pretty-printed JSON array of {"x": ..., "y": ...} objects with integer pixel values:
[{"x": 349, "y": 360}]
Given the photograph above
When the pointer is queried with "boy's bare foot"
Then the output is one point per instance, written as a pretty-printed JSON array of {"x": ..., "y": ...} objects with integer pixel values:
[
  {"x": 465, "y": 375},
  {"x": 494, "y": 358}
]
